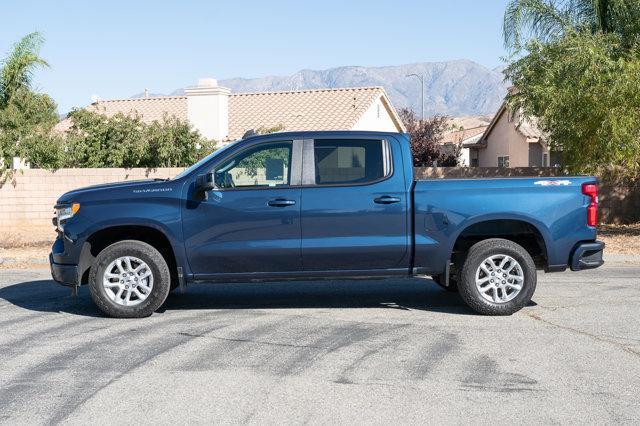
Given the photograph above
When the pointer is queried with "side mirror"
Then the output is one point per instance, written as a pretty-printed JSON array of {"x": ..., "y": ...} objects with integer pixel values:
[{"x": 204, "y": 183}]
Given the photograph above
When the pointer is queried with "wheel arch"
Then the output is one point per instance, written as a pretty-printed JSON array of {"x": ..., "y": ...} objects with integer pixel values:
[
  {"x": 524, "y": 230},
  {"x": 105, "y": 236}
]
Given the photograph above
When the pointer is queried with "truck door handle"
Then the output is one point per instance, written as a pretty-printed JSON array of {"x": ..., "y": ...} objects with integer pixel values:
[
  {"x": 281, "y": 202},
  {"x": 385, "y": 199}
]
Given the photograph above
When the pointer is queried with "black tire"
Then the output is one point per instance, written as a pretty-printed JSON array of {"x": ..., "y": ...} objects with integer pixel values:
[
  {"x": 157, "y": 265},
  {"x": 476, "y": 255},
  {"x": 453, "y": 283}
]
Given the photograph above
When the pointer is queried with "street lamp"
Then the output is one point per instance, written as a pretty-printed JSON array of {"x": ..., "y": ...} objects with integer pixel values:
[{"x": 421, "y": 78}]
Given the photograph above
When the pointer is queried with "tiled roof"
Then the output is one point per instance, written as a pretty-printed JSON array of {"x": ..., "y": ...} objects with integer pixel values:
[
  {"x": 322, "y": 109},
  {"x": 529, "y": 128},
  {"x": 462, "y": 135},
  {"x": 150, "y": 109}
]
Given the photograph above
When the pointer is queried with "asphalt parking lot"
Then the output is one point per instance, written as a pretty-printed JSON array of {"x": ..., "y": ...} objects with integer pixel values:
[{"x": 401, "y": 351}]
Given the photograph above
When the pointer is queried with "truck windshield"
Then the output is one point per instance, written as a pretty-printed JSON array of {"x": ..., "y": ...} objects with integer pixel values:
[{"x": 204, "y": 160}]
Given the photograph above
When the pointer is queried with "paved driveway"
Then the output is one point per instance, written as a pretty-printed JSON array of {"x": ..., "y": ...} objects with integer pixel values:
[{"x": 367, "y": 351}]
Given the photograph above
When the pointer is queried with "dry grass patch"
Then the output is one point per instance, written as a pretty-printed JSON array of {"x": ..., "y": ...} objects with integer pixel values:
[
  {"x": 21, "y": 237},
  {"x": 26, "y": 247},
  {"x": 620, "y": 239}
]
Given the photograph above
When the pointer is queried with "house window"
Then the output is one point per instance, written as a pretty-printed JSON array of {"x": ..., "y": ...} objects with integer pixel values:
[
  {"x": 545, "y": 160},
  {"x": 474, "y": 162},
  {"x": 503, "y": 161}
]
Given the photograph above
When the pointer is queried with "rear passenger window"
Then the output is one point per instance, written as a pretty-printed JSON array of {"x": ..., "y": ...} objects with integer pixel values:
[{"x": 350, "y": 161}]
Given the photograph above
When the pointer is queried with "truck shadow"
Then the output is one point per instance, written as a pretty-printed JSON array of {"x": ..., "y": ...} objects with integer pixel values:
[{"x": 401, "y": 294}]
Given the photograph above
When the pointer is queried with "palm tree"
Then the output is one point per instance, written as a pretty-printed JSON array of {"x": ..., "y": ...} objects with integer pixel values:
[
  {"x": 546, "y": 20},
  {"x": 16, "y": 70}
]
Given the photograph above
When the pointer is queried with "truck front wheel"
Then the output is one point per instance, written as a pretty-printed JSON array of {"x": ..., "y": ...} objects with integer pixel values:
[
  {"x": 498, "y": 277},
  {"x": 130, "y": 279}
]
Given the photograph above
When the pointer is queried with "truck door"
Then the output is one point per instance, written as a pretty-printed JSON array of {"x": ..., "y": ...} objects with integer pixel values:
[
  {"x": 354, "y": 206},
  {"x": 251, "y": 221}
]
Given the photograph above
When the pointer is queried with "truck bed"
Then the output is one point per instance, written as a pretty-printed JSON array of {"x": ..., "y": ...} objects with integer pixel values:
[{"x": 446, "y": 208}]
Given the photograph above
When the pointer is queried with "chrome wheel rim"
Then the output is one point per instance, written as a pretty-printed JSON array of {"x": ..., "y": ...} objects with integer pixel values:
[
  {"x": 499, "y": 278},
  {"x": 127, "y": 281}
]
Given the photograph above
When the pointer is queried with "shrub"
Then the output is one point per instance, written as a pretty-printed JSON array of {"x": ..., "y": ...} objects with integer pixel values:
[{"x": 96, "y": 140}]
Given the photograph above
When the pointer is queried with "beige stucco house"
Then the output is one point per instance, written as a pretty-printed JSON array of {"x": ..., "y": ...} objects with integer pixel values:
[
  {"x": 511, "y": 140},
  {"x": 224, "y": 116},
  {"x": 466, "y": 138}
]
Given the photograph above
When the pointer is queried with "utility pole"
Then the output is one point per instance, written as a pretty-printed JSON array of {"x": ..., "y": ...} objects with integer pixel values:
[{"x": 421, "y": 78}]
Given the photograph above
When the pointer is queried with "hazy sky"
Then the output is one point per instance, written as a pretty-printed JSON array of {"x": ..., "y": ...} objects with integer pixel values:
[{"x": 117, "y": 48}]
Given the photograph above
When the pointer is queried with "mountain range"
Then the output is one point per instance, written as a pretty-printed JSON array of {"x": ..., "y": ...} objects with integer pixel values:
[{"x": 455, "y": 88}]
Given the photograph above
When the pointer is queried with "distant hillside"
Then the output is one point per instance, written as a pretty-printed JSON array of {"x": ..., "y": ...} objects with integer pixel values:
[{"x": 455, "y": 88}]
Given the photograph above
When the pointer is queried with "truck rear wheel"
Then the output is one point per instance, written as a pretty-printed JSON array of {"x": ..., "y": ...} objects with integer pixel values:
[
  {"x": 498, "y": 277},
  {"x": 130, "y": 279}
]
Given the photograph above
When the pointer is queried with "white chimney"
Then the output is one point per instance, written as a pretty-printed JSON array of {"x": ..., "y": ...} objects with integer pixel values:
[{"x": 208, "y": 109}]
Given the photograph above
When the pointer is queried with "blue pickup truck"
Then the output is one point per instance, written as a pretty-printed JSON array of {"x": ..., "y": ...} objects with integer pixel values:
[{"x": 321, "y": 205}]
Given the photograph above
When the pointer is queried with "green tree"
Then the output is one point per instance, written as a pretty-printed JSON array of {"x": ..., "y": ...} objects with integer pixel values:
[
  {"x": 585, "y": 90},
  {"x": 17, "y": 69},
  {"x": 96, "y": 140},
  {"x": 549, "y": 20},
  {"x": 173, "y": 143},
  {"x": 25, "y": 131},
  {"x": 26, "y": 117}
]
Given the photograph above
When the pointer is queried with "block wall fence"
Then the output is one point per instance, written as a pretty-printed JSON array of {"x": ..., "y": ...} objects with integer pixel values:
[{"x": 27, "y": 198}]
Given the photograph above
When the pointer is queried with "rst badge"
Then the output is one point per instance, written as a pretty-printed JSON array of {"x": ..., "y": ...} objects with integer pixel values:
[{"x": 552, "y": 182}]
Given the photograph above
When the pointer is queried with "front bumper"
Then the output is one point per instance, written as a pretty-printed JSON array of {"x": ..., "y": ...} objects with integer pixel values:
[
  {"x": 587, "y": 256},
  {"x": 64, "y": 274}
]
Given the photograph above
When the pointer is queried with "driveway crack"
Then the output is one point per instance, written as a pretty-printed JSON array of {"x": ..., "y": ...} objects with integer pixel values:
[{"x": 627, "y": 349}]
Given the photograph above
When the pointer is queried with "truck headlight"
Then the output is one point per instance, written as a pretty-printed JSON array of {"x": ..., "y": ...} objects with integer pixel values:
[{"x": 65, "y": 213}]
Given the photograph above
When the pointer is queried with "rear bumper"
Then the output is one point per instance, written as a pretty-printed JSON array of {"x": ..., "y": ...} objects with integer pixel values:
[
  {"x": 587, "y": 256},
  {"x": 63, "y": 274}
]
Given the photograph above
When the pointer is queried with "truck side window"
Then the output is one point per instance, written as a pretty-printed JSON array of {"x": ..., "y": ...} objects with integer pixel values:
[
  {"x": 263, "y": 166},
  {"x": 350, "y": 161}
]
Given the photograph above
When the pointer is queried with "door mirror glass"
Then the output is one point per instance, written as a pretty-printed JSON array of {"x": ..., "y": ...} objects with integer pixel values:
[{"x": 205, "y": 183}]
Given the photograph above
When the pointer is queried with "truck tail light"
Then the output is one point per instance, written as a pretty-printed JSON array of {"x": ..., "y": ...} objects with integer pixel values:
[{"x": 591, "y": 190}]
